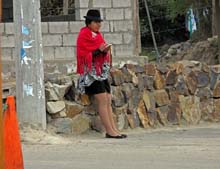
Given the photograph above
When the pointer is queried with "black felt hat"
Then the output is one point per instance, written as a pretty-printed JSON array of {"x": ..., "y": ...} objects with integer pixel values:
[{"x": 93, "y": 15}]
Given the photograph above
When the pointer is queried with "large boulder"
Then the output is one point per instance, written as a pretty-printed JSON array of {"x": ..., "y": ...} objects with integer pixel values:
[
  {"x": 190, "y": 107},
  {"x": 61, "y": 90},
  {"x": 216, "y": 113},
  {"x": 178, "y": 67},
  {"x": 161, "y": 97},
  {"x": 143, "y": 114},
  {"x": 173, "y": 94},
  {"x": 174, "y": 114},
  {"x": 153, "y": 117},
  {"x": 55, "y": 107},
  {"x": 207, "y": 109},
  {"x": 214, "y": 77},
  {"x": 118, "y": 98},
  {"x": 150, "y": 69},
  {"x": 134, "y": 77},
  {"x": 83, "y": 99},
  {"x": 62, "y": 125},
  {"x": 202, "y": 79},
  {"x": 139, "y": 69},
  {"x": 121, "y": 121},
  {"x": 162, "y": 115},
  {"x": 181, "y": 86},
  {"x": 96, "y": 124},
  {"x": 162, "y": 69},
  {"x": 171, "y": 77},
  {"x": 159, "y": 81},
  {"x": 216, "y": 90},
  {"x": 149, "y": 100},
  {"x": 51, "y": 94},
  {"x": 126, "y": 74},
  {"x": 134, "y": 101},
  {"x": 73, "y": 109},
  {"x": 133, "y": 120},
  {"x": 191, "y": 82},
  {"x": 117, "y": 77},
  {"x": 148, "y": 82},
  {"x": 140, "y": 82},
  {"x": 120, "y": 110},
  {"x": 204, "y": 93},
  {"x": 81, "y": 124},
  {"x": 127, "y": 89},
  {"x": 130, "y": 119}
]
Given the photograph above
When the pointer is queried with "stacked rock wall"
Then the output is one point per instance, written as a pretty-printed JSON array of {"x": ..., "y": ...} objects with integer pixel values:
[{"x": 149, "y": 96}]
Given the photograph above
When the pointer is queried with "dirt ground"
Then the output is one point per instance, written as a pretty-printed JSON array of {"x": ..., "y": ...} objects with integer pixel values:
[{"x": 168, "y": 148}]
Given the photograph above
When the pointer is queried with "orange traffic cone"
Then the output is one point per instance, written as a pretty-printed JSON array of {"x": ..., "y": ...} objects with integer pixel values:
[
  {"x": 12, "y": 144},
  {"x": 1, "y": 144}
]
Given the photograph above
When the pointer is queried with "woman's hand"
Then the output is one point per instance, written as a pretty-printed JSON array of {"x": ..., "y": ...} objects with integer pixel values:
[
  {"x": 107, "y": 48},
  {"x": 102, "y": 47}
]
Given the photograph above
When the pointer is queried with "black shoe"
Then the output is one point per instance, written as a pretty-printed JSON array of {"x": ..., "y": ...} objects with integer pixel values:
[
  {"x": 124, "y": 135},
  {"x": 116, "y": 137}
]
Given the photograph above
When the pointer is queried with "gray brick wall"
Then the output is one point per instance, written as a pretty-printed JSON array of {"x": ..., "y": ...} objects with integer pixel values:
[
  {"x": 118, "y": 25},
  {"x": 59, "y": 38},
  {"x": 124, "y": 3}
]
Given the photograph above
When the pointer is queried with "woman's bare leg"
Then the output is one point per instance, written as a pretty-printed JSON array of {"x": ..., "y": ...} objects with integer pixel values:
[
  {"x": 109, "y": 100},
  {"x": 102, "y": 102}
]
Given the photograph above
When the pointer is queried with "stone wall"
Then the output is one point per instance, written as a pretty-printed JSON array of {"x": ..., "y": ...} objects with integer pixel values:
[
  {"x": 203, "y": 51},
  {"x": 149, "y": 96},
  {"x": 59, "y": 38}
]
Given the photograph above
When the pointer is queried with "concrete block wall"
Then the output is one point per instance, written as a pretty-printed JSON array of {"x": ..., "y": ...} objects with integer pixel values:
[
  {"x": 59, "y": 38},
  {"x": 118, "y": 23}
]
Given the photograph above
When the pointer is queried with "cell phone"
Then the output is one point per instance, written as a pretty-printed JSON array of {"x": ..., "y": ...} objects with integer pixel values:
[{"x": 107, "y": 47}]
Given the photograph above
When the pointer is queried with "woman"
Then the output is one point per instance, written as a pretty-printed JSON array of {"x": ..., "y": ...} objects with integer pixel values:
[{"x": 93, "y": 65}]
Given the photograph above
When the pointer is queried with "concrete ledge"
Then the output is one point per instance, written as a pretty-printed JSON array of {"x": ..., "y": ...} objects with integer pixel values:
[{"x": 124, "y": 3}]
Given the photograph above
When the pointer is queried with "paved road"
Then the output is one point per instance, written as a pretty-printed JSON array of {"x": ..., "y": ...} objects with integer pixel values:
[{"x": 194, "y": 148}]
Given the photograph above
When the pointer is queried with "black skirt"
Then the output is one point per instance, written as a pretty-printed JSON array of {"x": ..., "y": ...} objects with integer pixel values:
[{"x": 98, "y": 87}]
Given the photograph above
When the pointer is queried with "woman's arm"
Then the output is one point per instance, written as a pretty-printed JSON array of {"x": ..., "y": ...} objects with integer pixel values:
[
  {"x": 100, "y": 50},
  {"x": 96, "y": 52}
]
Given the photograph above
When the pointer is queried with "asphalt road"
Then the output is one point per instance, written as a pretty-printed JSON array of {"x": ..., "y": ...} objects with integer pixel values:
[{"x": 191, "y": 148}]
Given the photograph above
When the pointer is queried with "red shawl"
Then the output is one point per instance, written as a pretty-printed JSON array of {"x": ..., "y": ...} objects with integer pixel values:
[{"x": 86, "y": 44}]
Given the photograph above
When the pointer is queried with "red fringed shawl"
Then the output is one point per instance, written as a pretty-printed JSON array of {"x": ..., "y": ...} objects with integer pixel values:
[{"x": 86, "y": 44}]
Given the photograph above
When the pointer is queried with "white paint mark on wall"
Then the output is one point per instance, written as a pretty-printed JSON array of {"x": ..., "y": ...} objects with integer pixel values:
[
  {"x": 22, "y": 14},
  {"x": 41, "y": 61},
  {"x": 40, "y": 95},
  {"x": 28, "y": 89},
  {"x": 25, "y": 60},
  {"x": 25, "y": 30},
  {"x": 27, "y": 44}
]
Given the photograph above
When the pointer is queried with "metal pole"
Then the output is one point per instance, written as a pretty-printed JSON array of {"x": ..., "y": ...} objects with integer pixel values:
[
  {"x": 136, "y": 24},
  {"x": 1, "y": 111},
  {"x": 152, "y": 31},
  {"x": 65, "y": 7},
  {"x": 216, "y": 22},
  {"x": 30, "y": 92},
  {"x": 214, "y": 29},
  {"x": 217, "y": 6}
]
